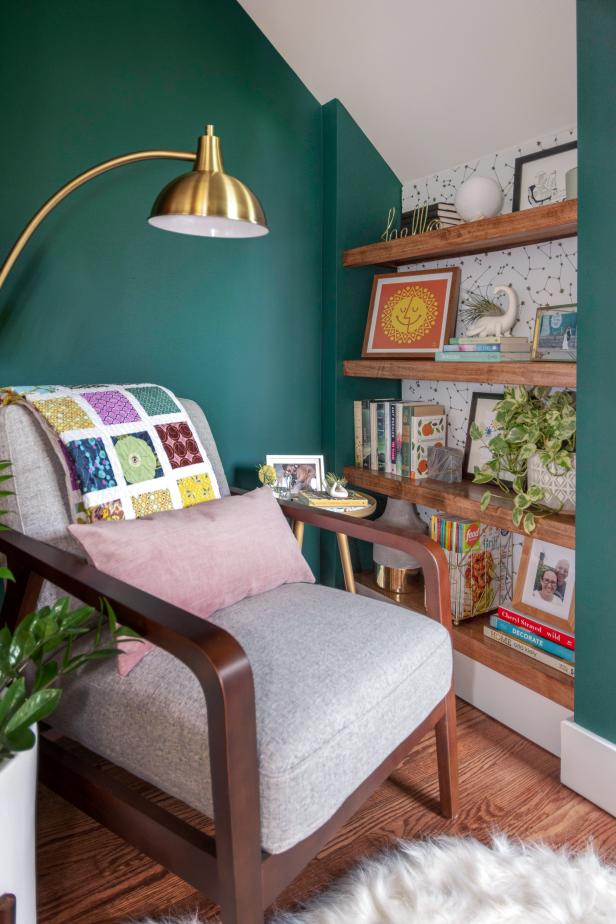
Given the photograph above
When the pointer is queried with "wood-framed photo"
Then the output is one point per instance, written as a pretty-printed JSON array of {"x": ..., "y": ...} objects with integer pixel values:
[
  {"x": 555, "y": 336},
  {"x": 539, "y": 178},
  {"x": 483, "y": 413},
  {"x": 545, "y": 587},
  {"x": 296, "y": 473},
  {"x": 412, "y": 314}
]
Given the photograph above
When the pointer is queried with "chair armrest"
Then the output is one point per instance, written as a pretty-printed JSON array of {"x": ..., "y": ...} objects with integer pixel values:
[{"x": 427, "y": 552}]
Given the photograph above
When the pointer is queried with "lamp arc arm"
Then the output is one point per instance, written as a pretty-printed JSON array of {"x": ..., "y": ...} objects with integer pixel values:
[{"x": 75, "y": 183}]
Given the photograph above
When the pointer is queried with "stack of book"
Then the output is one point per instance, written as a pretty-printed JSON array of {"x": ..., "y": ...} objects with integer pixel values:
[
  {"x": 485, "y": 350},
  {"x": 444, "y": 212},
  {"x": 325, "y": 501},
  {"x": 394, "y": 436},
  {"x": 533, "y": 638}
]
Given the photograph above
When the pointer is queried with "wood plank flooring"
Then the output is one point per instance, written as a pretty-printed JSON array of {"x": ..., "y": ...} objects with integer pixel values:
[{"x": 88, "y": 875}]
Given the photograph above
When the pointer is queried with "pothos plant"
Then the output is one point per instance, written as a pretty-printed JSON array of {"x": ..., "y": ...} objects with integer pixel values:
[
  {"x": 530, "y": 422},
  {"x": 39, "y": 652}
]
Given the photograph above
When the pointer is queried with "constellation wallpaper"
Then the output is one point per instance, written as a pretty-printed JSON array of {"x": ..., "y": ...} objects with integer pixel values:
[{"x": 541, "y": 274}]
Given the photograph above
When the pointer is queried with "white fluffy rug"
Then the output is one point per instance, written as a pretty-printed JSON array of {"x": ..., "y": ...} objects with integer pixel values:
[{"x": 461, "y": 881}]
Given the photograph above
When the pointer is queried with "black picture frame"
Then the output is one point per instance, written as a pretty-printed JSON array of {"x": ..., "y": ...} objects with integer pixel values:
[
  {"x": 527, "y": 158},
  {"x": 467, "y": 473}
]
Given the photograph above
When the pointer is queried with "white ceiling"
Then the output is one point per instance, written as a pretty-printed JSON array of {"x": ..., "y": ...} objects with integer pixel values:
[{"x": 433, "y": 83}]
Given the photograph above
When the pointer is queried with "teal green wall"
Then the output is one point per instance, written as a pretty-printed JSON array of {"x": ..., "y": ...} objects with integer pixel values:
[
  {"x": 595, "y": 684},
  {"x": 359, "y": 188}
]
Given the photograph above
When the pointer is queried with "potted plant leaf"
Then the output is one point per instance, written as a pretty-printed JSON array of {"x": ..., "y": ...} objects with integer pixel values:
[
  {"x": 46, "y": 645},
  {"x": 532, "y": 454}
]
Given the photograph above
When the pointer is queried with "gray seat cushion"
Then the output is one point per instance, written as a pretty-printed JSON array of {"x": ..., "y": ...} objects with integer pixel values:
[{"x": 340, "y": 681}]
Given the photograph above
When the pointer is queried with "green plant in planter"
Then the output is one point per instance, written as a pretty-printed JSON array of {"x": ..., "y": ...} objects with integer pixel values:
[
  {"x": 39, "y": 652},
  {"x": 531, "y": 421}
]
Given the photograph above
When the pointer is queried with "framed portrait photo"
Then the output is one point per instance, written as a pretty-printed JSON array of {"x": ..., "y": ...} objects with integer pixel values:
[
  {"x": 476, "y": 452},
  {"x": 296, "y": 473},
  {"x": 555, "y": 336},
  {"x": 539, "y": 178},
  {"x": 412, "y": 314},
  {"x": 545, "y": 587}
]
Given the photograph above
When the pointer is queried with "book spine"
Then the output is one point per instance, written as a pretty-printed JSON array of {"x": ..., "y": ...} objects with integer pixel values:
[
  {"x": 531, "y": 652},
  {"x": 357, "y": 425},
  {"x": 374, "y": 440},
  {"x": 469, "y": 347},
  {"x": 392, "y": 436},
  {"x": 365, "y": 429},
  {"x": 477, "y": 357},
  {"x": 523, "y": 622},
  {"x": 399, "y": 408},
  {"x": 531, "y": 639},
  {"x": 380, "y": 436},
  {"x": 407, "y": 416}
]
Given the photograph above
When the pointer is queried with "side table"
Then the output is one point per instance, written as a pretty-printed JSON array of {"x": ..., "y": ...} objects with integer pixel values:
[{"x": 343, "y": 541}]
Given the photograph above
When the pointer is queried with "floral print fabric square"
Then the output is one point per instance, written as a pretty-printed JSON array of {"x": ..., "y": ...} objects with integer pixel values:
[
  {"x": 179, "y": 443},
  {"x": 154, "y": 400},
  {"x": 195, "y": 489},
  {"x": 64, "y": 414},
  {"x": 92, "y": 466},
  {"x": 154, "y": 502},
  {"x": 111, "y": 406},
  {"x": 137, "y": 457}
]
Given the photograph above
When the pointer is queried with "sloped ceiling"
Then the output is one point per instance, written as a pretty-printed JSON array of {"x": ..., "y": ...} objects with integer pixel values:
[{"x": 437, "y": 82}]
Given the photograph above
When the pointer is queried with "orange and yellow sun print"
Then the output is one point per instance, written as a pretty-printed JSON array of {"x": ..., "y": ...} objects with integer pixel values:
[{"x": 409, "y": 314}]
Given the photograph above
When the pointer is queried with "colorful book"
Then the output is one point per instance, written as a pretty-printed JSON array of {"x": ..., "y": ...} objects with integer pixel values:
[
  {"x": 425, "y": 432},
  {"x": 486, "y": 348},
  {"x": 358, "y": 433},
  {"x": 374, "y": 455},
  {"x": 538, "y": 628},
  {"x": 410, "y": 411},
  {"x": 530, "y": 638},
  {"x": 365, "y": 429},
  {"x": 477, "y": 357},
  {"x": 502, "y": 339},
  {"x": 323, "y": 499},
  {"x": 563, "y": 666}
]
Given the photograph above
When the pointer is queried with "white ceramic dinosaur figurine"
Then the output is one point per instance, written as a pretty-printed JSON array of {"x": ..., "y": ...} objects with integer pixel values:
[{"x": 497, "y": 325}]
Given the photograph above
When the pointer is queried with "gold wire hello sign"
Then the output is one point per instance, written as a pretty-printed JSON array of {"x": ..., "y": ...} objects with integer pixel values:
[{"x": 419, "y": 224}]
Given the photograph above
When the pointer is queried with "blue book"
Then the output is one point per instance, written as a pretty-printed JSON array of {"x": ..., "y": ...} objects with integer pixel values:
[
  {"x": 473, "y": 348},
  {"x": 477, "y": 357},
  {"x": 525, "y": 636}
]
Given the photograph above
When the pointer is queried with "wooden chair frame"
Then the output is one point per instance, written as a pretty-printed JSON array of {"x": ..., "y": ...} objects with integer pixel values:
[{"x": 231, "y": 868}]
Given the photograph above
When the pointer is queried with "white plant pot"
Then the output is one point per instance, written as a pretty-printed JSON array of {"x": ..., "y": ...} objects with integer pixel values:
[
  {"x": 17, "y": 832},
  {"x": 558, "y": 484}
]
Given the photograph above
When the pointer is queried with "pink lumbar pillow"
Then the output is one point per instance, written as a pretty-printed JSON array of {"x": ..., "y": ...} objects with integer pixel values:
[{"x": 202, "y": 559}]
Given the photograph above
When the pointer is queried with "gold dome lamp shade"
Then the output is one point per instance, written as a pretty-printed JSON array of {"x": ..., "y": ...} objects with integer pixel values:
[{"x": 207, "y": 201}]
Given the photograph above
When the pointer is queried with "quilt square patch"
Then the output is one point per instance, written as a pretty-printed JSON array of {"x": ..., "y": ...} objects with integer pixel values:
[
  {"x": 154, "y": 400},
  {"x": 195, "y": 489},
  {"x": 137, "y": 457},
  {"x": 111, "y": 406},
  {"x": 180, "y": 444},
  {"x": 92, "y": 466},
  {"x": 111, "y": 510},
  {"x": 152, "y": 502},
  {"x": 63, "y": 414}
]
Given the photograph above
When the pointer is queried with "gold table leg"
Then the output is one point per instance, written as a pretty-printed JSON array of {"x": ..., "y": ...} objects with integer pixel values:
[
  {"x": 298, "y": 531},
  {"x": 345, "y": 559}
]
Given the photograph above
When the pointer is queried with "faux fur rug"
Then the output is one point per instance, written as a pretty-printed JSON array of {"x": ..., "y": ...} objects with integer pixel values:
[{"x": 461, "y": 881}]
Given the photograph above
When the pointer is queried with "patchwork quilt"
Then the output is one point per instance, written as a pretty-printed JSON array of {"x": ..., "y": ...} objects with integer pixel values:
[{"x": 127, "y": 450}]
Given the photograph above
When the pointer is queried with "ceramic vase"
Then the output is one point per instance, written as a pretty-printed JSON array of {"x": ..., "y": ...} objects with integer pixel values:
[
  {"x": 557, "y": 483},
  {"x": 479, "y": 197},
  {"x": 17, "y": 832},
  {"x": 393, "y": 569}
]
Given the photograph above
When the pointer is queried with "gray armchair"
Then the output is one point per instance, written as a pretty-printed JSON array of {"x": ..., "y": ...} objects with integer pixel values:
[{"x": 277, "y": 717}]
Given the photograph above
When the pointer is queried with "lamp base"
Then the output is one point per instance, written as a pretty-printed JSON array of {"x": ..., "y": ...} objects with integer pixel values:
[{"x": 396, "y": 580}]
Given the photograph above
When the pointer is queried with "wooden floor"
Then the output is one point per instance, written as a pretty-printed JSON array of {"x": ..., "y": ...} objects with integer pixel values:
[{"x": 87, "y": 875}]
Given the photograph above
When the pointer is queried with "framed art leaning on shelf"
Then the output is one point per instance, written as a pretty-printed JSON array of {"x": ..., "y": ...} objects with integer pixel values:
[
  {"x": 411, "y": 315},
  {"x": 546, "y": 583}
]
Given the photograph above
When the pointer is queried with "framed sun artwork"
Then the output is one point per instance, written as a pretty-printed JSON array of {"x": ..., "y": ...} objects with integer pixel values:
[{"x": 411, "y": 315}]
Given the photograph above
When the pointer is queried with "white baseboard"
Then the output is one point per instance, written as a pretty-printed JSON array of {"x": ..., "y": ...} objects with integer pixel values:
[
  {"x": 523, "y": 710},
  {"x": 588, "y": 765}
]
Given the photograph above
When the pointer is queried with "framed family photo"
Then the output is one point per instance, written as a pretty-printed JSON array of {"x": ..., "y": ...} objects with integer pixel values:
[
  {"x": 539, "y": 178},
  {"x": 555, "y": 336},
  {"x": 411, "y": 314},
  {"x": 545, "y": 587},
  {"x": 296, "y": 473}
]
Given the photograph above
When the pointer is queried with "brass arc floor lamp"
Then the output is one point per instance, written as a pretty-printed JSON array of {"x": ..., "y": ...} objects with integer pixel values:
[{"x": 206, "y": 201}]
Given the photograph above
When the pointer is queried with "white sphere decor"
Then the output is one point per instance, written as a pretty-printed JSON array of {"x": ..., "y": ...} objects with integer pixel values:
[{"x": 479, "y": 197}]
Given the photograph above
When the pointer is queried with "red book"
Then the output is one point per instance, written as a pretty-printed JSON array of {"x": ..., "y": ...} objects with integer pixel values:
[{"x": 539, "y": 628}]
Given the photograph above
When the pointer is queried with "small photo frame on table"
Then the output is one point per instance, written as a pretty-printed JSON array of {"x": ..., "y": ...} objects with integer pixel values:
[
  {"x": 411, "y": 314},
  {"x": 483, "y": 413},
  {"x": 555, "y": 336},
  {"x": 539, "y": 178},
  {"x": 545, "y": 587},
  {"x": 296, "y": 473}
]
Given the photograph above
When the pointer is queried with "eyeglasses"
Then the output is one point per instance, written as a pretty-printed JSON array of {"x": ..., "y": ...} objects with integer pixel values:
[{"x": 549, "y": 581}]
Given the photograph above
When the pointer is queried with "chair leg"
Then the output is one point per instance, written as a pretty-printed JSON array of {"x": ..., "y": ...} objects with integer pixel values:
[
  {"x": 447, "y": 758},
  {"x": 7, "y": 909}
]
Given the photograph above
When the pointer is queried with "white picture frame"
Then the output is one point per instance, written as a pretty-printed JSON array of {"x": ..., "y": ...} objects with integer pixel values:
[{"x": 298, "y": 472}]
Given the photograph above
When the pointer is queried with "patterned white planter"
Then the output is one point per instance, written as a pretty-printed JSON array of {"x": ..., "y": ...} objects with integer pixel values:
[
  {"x": 17, "y": 832},
  {"x": 559, "y": 487}
]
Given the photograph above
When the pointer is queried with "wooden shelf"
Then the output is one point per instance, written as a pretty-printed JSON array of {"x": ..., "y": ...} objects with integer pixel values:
[
  {"x": 515, "y": 229},
  {"x": 468, "y": 639},
  {"x": 461, "y": 499},
  {"x": 426, "y": 370}
]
